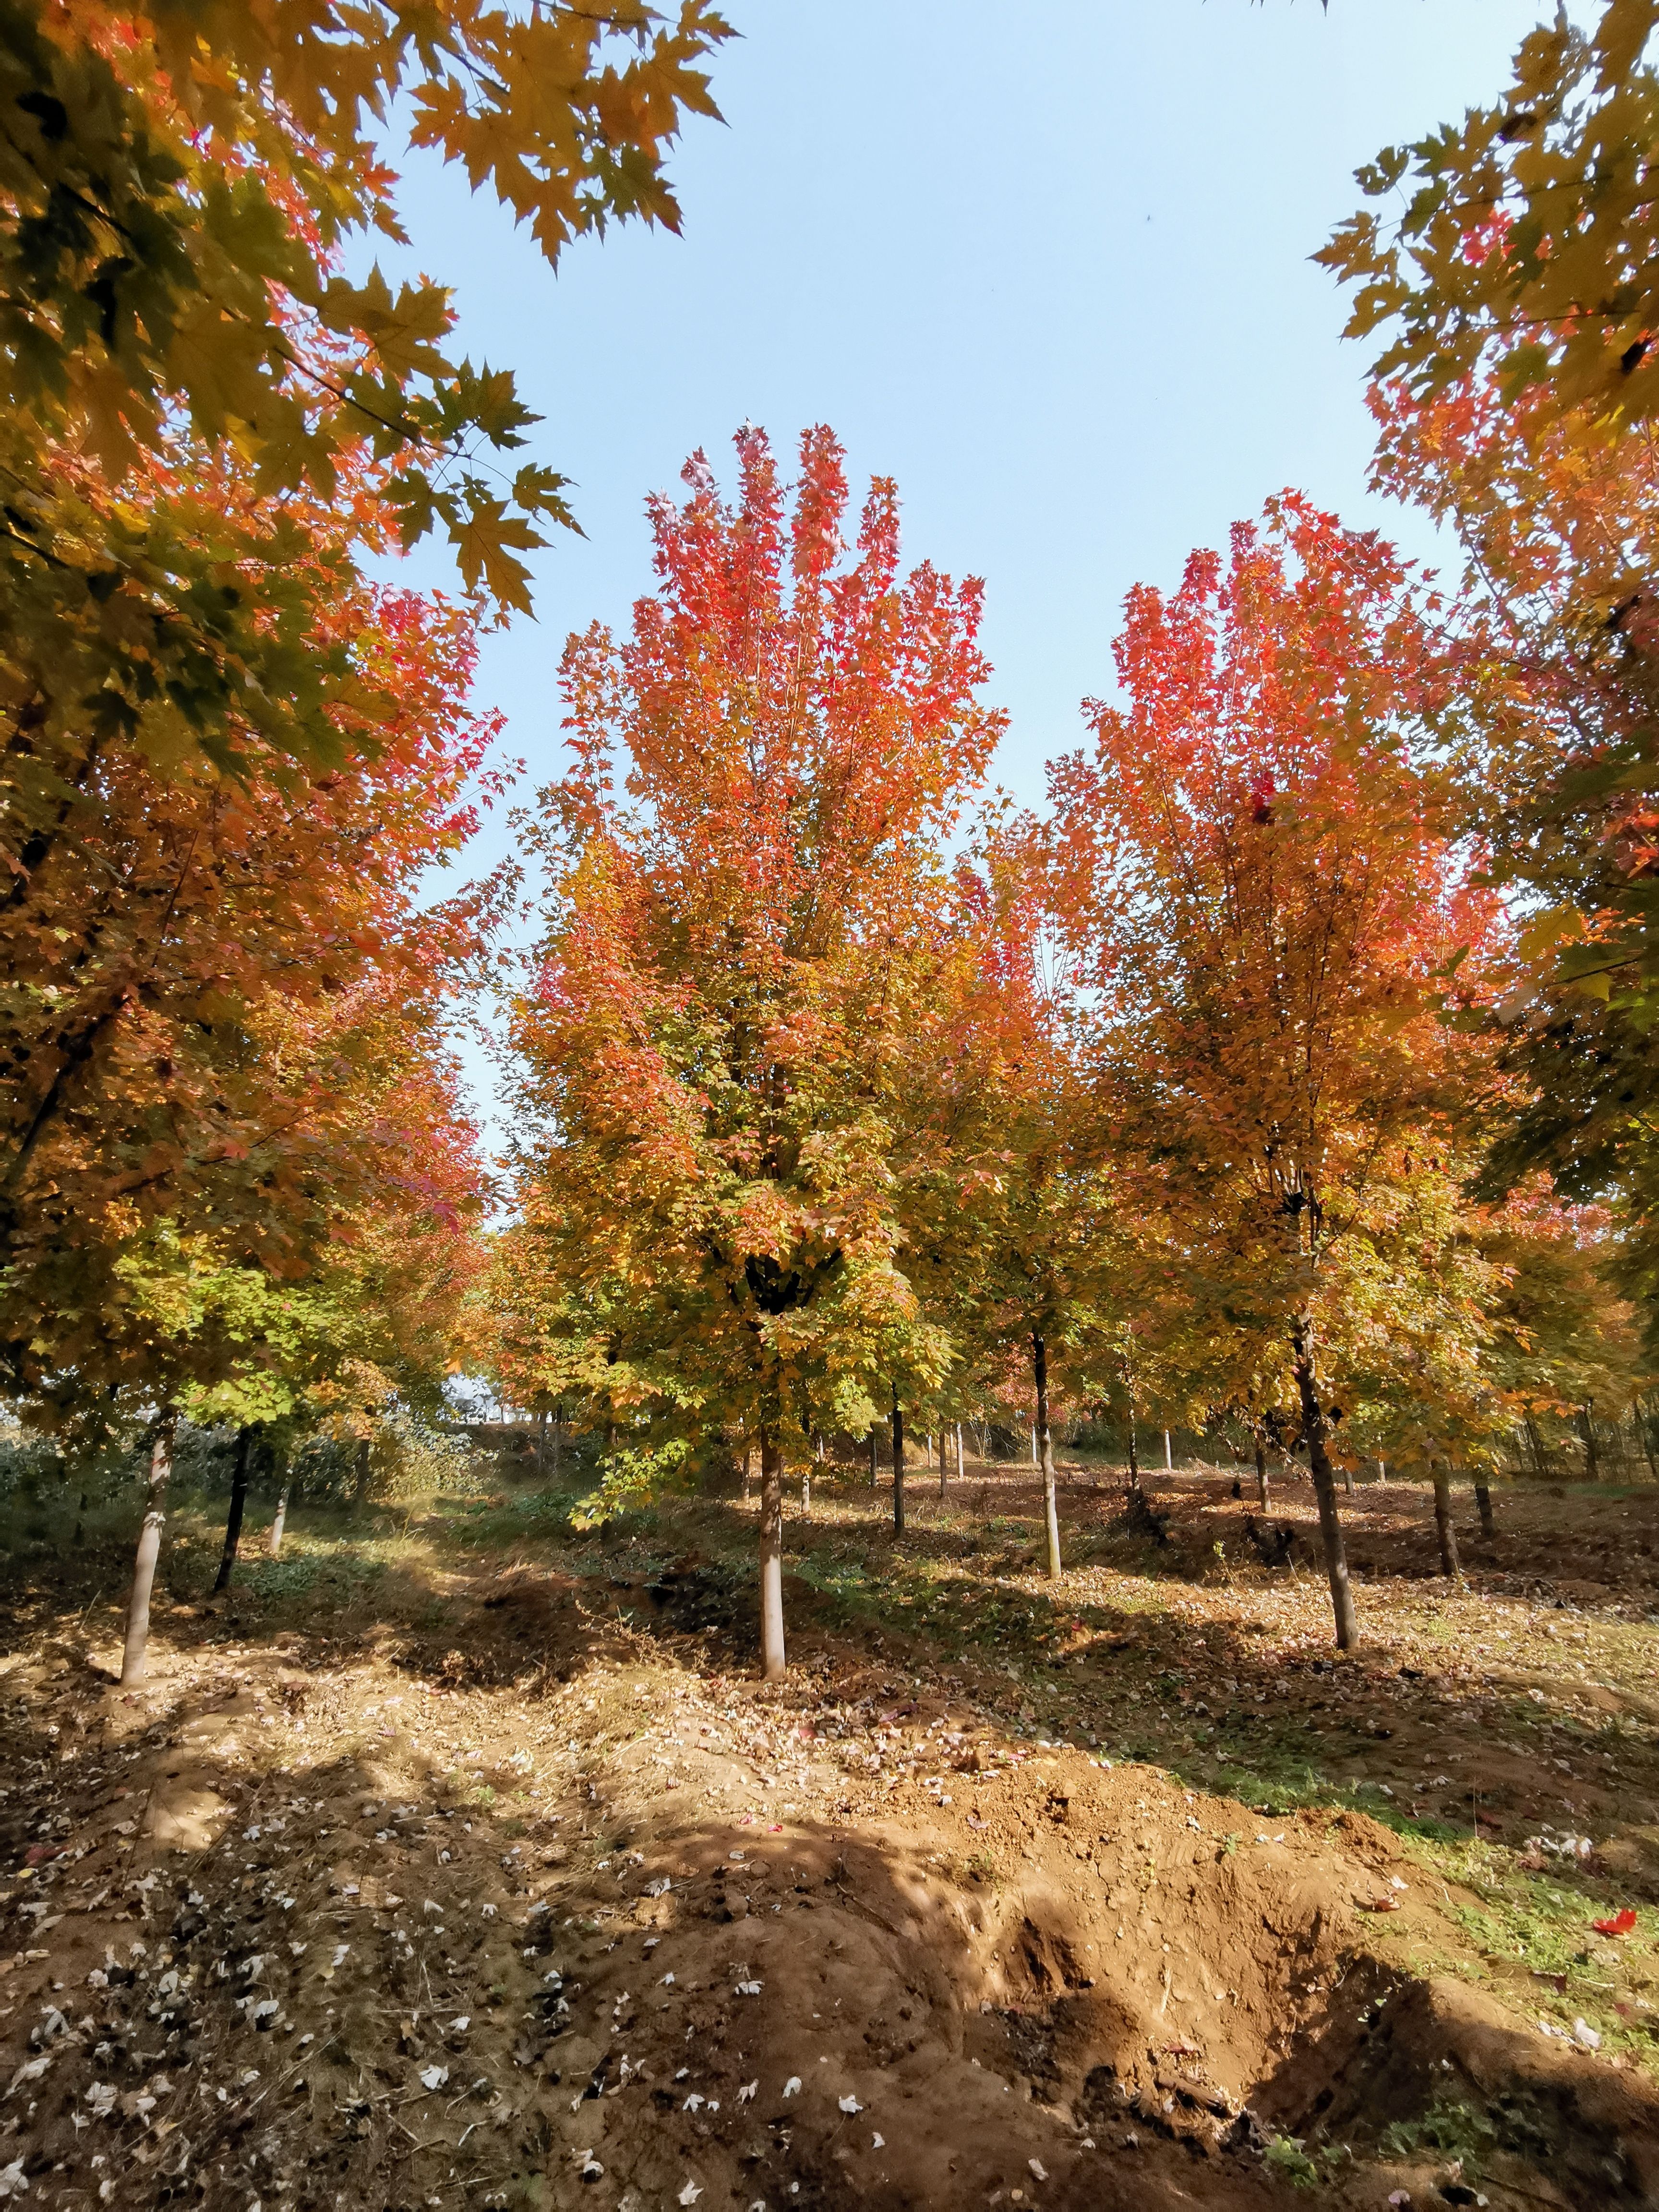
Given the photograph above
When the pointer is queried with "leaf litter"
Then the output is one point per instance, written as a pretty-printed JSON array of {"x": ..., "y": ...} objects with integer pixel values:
[{"x": 257, "y": 1905}]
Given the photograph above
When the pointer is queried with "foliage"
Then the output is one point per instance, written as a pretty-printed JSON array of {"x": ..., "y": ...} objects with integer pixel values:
[
  {"x": 1258, "y": 869},
  {"x": 224, "y": 1015},
  {"x": 629, "y": 1477},
  {"x": 744, "y": 945},
  {"x": 1529, "y": 237},
  {"x": 1558, "y": 773},
  {"x": 178, "y": 184},
  {"x": 1452, "y": 2128},
  {"x": 1284, "y": 2157}
]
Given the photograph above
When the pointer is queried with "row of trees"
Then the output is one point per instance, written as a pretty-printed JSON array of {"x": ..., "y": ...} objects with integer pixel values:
[
  {"x": 1293, "y": 1066},
  {"x": 836, "y": 1094}
]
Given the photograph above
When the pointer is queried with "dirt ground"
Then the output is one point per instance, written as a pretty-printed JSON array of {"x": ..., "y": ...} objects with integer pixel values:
[{"x": 459, "y": 1861}]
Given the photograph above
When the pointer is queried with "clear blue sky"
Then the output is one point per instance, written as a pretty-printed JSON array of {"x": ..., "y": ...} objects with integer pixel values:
[{"x": 1048, "y": 268}]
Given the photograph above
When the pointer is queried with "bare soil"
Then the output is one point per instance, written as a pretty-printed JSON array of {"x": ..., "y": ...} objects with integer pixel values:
[{"x": 496, "y": 1880}]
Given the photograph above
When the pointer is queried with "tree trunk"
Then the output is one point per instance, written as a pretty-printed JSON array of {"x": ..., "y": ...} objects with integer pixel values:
[
  {"x": 541, "y": 1442},
  {"x": 875, "y": 1454},
  {"x": 1587, "y": 1430},
  {"x": 558, "y": 1432},
  {"x": 1261, "y": 1473},
  {"x": 238, "y": 1501},
  {"x": 274, "y": 1541},
  {"x": 1483, "y": 1506},
  {"x": 1050, "y": 1497},
  {"x": 1381, "y": 1470},
  {"x": 1540, "y": 1465},
  {"x": 1347, "y": 1480},
  {"x": 360, "y": 1493},
  {"x": 805, "y": 1492},
  {"x": 945, "y": 1459},
  {"x": 1645, "y": 1435},
  {"x": 1169, "y": 1453},
  {"x": 898, "y": 1465},
  {"x": 1442, "y": 1516},
  {"x": 771, "y": 1559},
  {"x": 1330, "y": 1524},
  {"x": 748, "y": 1470},
  {"x": 1135, "y": 1463},
  {"x": 150, "y": 1551},
  {"x": 961, "y": 1465}
]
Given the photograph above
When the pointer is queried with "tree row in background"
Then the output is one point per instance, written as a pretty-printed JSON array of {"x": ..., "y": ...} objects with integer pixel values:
[{"x": 845, "y": 1089}]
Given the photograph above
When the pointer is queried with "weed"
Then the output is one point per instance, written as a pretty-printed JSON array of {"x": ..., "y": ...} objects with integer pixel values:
[
  {"x": 1454, "y": 2130},
  {"x": 1286, "y": 2158}
]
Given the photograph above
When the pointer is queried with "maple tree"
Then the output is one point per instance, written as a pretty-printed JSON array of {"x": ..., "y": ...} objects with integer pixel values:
[
  {"x": 743, "y": 943},
  {"x": 223, "y": 1020},
  {"x": 1011, "y": 1234},
  {"x": 1256, "y": 863}
]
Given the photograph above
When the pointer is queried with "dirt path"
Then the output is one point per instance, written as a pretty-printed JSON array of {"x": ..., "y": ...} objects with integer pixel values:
[{"x": 552, "y": 1906}]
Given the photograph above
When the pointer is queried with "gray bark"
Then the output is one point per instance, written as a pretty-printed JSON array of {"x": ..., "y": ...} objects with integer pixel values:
[
  {"x": 1330, "y": 1524},
  {"x": 1050, "y": 1493},
  {"x": 136, "y": 1647},
  {"x": 771, "y": 1559}
]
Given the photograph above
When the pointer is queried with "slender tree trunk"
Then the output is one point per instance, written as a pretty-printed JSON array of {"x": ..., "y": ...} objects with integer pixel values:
[
  {"x": 944, "y": 1459},
  {"x": 1587, "y": 1430},
  {"x": 771, "y": 1558},
  {"x": 875, "y": 1454},
  {"x": 360, "y": 1493},
  {"x": 558, "y": 1433},
  {"x": 962, "y": 1466},
  {"x": 1050, "y": 1497},
  {"x": 1381, "y": 1470},
  {"x": 898, "y": 1465},
  {"x": 1330, "y": 1524},
  {"x": 805, "y": 1493},
  {"x": 541, "y": 1444},
  {"x": 1646, "y": 1437},
  {"x": 1483, "y": 1505},
  {"x": 1135, "y": 1463},
  {"x": 1261, "y": 1471},
  {"x": 1442, "y": 1516},
  {"x": 748, "y": 1469},
  {"x": 1540, "y": 1465},
  {"x": 1347, "y": 1480},
  {"x": 238, "y": 1501},
  {"x": 150, "y": 1551},
  {"x": 1169, "y": 1453},
  {"x": 274, "y": 1541}
]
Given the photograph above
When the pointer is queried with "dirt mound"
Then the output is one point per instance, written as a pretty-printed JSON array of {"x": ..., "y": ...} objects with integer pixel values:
[{"x": 327, "y": 1931}]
